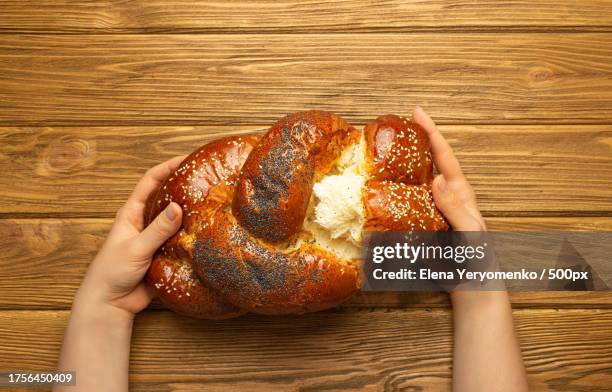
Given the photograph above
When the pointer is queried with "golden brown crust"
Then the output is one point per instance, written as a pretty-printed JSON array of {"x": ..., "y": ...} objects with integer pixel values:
[
  {"x": 397, "y": 195},
  {"x": 216, "y": 162},
  {"x": 244, "y": 201},
  {"x": 179, "y": 288},
  {"x": 276, "y": 180},
  {"x": 397, "y": 149},
  {"x": 261, "y": 278},
  {"x": 395, "y": 206},
  {"x": 171, "y": 274}
]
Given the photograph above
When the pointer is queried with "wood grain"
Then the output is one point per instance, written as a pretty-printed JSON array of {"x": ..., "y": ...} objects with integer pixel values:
[
  {"x": 232, "y": 79},
  {"x": 47, "y": 258},
  {"x": 161, "y": 16},
  {"x": 94, "y": 93},
  {"x": 90, "y": 171},
  {"x": 357, "y": 350}
]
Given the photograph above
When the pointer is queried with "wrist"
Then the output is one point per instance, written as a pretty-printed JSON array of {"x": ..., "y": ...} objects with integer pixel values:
[
  {"x": 101, "y": 325},
  {"x": 91, "y": 305}
]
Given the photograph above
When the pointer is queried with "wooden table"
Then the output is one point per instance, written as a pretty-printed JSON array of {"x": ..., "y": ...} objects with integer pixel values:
[{"x": 94, "y": 93}]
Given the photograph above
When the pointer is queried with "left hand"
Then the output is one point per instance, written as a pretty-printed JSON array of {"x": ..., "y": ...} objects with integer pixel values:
[{"x": 115, "y": 277}]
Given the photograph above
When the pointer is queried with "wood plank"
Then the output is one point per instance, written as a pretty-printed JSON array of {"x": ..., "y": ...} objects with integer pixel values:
[
  {"x": 46, "y": 259},
  {"x": 357, "y": 350},
  {"x": 290, "y": 16},
  {"x": 90, "y": 171},
  {"x": 236, "y": 79}
]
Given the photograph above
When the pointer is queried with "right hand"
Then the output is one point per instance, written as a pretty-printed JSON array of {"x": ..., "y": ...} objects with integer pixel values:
[{"x": 452, "y": 194}]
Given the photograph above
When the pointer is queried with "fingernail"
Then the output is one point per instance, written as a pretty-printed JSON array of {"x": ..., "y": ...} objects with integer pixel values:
[
  {"x": 442, "y": 186},
  {"x": 170, "y": 212},
  {"x": 418, "y": 111}
]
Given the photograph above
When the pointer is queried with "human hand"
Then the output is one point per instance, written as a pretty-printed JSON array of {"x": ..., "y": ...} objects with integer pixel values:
[
  {"x": 97, "y": 339},
  {"x": 452, "y": 194},
  {"x": 114, "y": 279}
]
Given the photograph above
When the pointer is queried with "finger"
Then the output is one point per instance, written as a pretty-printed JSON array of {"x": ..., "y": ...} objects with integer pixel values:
[
  {"x": 152, "y": 179},
  {"x": 133, "y": 210},
  {"x": 453, "y": 207},
  {"x": 441, "y": 151},
  {"x": 164, "y": 226}
]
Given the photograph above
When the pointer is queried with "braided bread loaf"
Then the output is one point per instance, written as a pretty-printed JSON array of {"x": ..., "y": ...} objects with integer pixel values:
[{"x": 272, "y": 224}]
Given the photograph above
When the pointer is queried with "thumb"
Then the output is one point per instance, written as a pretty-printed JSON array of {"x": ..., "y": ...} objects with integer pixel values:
[
  {"x": 453, "y": 209},
  {"x": 163, "y": 227}
]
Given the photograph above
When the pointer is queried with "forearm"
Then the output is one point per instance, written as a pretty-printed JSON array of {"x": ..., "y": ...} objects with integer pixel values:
[
  {"x": 97, "y": 347},
  {"x": 487, "y": 354}
]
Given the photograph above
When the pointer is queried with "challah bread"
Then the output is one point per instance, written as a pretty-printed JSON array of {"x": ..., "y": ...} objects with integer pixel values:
[
  {"x": 273, "y": 224},
  {"x": 171, "y": 273},
  {"x": 400, "y": 172}
]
